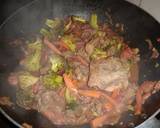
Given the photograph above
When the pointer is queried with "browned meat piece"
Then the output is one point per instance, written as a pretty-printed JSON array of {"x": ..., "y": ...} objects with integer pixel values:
[
  {"x": 51, "y": 105},
  {"x": 12, "y": 79},
  {"x": 134, "y": 73},
  {"x": 81, "y": 73},
  {"x": 25, "y": 125},
  {"x": 5, "y": 101},
  {"x": 108, "y": 74},
  {"x": 150, "y": 45},
  {"x": 144, "y": 92},
  {"x": 89, "y": 48},
  {"x": 87, "y": 34},
  {"x": 157, "y": 86},
  {"x": 155, "y": 53}
]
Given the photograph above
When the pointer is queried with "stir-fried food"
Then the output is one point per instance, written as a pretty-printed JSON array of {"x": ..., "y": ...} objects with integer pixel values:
[{"x": 79, "y": 71}]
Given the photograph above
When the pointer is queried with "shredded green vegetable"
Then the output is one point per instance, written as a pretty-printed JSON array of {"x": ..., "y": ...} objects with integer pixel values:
[
  {"x": 70, "y": 100},
  {"x": 32, "y": 61},
  {"x": 46, "y": 33},
  {"x": 57, "y": 63},
  {"x": 98, "y": 54},
  {"x": 69, "y": 41},
  {"x": 53, "y": 23},
  {"x": 80, "y": 19},
  {"x": 93, "y": 21},
  {"x": 52, "y": 81},
  {"x": 26, "y": 79}
]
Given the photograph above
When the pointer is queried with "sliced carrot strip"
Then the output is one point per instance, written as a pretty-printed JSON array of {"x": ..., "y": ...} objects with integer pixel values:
[
  {"x": 108, "y": 106},
  {"x": 51, "y": 46},
  {"x": 111, "y": 100},
  {"x": 90, "y": 93},
  {"x": 82, "y": 60},
  {"x": 139, "y": 100},
  {"x": 69, "y": 82},
  {"x": 63, "y": 45},
  {"x": 115, "y": 93},
  {"x": 97, "y": 94}
]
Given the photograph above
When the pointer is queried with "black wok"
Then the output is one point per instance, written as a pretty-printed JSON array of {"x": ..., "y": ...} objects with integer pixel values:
[{"x": 28, "y": 20}]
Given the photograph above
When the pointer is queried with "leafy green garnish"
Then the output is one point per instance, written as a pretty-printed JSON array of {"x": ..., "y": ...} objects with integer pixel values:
[
  {"x": 25, "y": 79},
  {"x": 98, "y": 54},
  {"x": 93, "y": 21},
  {"x": 46, "y": 33},
  {"x": 78, "y": 18},
  {"x": 57, "y": 63},
  {"x": 32, "y": 61},
  {"x": 53, "y": 28},
  {"x": 70, "y": 100},
  {"x": 52, "y": 81},
  {"x": 53, "y": 23},
  {"x": 69, "y": 41}
]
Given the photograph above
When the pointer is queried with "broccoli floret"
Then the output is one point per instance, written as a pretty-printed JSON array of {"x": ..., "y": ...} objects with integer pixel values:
[
  {"x": 57, "y": 63},
  {"x": 26, "y": 80},
  {"x": 32, "y": 61},
  {"x": 69, "y": 41},
  {"x": 52, "y": 81}
]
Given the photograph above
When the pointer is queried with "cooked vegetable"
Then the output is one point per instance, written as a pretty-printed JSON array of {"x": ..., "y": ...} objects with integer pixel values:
[
  {"x": 91, "y": 93},
  {"x": 32, "y": 60},
  {"x": 70, "y": 99},
  {"x": 68, "y": 25},
  {"x": 93, "y": 21},
  {"x": 53, "y": 23},
  {"x": 80, "y": 19},
  {"x": 138, "y": 107},
  {"x": 97, "y": 94},
  {"x": 52, "y": 81},
  {"x": 52, "y": 47},
  {"x": 69, "y": 82},
  {"x": 98, "y": 54},
  {"x": 79, "y": 59},
  {"x": 69, "y": 41},
  {"x": 57, "y": 63},
  {"x": 46, "y": 33},
  {"x": 25, "y": 80}
]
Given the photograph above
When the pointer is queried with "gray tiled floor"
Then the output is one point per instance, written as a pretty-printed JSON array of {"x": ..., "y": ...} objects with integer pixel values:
[{"x": 151, "y": 6}]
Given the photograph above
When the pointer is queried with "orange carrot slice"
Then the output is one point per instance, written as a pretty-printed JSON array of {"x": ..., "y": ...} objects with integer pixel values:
[
  {"x": 52, "y": 47},
  {"x": 108, "y": 106},
  {"x": 139, "y": 100},
  {"x": 82, "y": 60},
  {"x": 90, "y": 93},
  {"x": 69, "y": 82}
]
